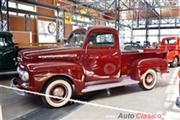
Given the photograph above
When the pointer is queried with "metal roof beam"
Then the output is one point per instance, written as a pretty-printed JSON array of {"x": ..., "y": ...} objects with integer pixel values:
[
  {"x": 152, "y": 9},
  {"x": 103, "y": 6},
  {"x": 48, "y": 6},
  {"x": 176, "y": 27}
]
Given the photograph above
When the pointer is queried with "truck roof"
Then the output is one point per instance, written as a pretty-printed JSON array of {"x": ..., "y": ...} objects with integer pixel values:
[
  {"x": 171, "y": 38},
  {"x": 79, "y": 29},
  {"x": 6, "y": 33}
]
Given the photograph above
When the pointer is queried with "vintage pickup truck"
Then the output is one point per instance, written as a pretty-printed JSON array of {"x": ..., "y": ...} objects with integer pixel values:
[
  {"x": 172, "y": 46},
  {"x": 8, "y": 53},
  {"x": 95, "y": 63},
  {"x": 9, "y": 50}
]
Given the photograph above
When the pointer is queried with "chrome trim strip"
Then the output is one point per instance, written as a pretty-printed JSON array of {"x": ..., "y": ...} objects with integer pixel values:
[{"x": 58, "y": 56}]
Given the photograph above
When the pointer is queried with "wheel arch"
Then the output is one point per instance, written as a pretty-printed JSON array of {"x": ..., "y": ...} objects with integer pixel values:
[
  {"x": 68, "y": 79},
  {"x": 42, "y": 73},
  {"x": 174, "y": 63},
  {"x": 171, "y": 55},
  {"x": 76, "y": 86}
]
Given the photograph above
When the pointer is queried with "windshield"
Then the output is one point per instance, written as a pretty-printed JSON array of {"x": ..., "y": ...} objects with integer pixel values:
[
  {"x": 5, "y": 41},
  {"x": 76, "y": 38}
]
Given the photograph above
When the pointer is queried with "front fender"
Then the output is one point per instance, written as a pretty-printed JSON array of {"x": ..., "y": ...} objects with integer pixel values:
[
  {"x": 170, "y": 55},
  {"x": 140, "y": 66},
  {"x": 42, "y": 72}
]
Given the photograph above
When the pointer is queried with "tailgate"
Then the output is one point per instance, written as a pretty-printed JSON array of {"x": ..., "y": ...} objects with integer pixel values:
[{"x": 153, "y": 50}]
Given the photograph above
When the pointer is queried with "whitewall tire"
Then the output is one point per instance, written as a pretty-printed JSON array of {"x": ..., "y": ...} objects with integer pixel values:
[
  {"x": 149, "y": 80},
  {"x": 59, "y": 87}
]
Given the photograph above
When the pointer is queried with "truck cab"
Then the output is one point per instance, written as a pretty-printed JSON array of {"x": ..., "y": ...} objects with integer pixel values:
[{"x": 8, "y": 53}]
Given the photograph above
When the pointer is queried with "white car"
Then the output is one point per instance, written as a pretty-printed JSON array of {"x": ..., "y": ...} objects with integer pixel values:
[{"x": 128, "y": 46}]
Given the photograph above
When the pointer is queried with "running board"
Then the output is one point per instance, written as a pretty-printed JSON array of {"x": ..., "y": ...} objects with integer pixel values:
[{"x": 109, "y": 85}]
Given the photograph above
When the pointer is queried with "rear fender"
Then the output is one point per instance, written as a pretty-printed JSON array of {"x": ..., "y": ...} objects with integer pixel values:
[
  {"x": 140, "y": 66},
  {"x": 45, "y": 71}
]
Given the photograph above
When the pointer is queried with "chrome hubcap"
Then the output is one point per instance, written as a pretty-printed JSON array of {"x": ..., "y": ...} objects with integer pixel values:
[
  {"x": 149, "y": 79},
  {"x": 175, "y": 61},
  {"x": 58, "y": 92}
]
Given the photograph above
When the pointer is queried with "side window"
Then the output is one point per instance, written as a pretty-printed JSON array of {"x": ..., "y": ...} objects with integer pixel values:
[
  {"x": 171, "y": 41},
  {"x": 3, "y": 42},
  {"x": 101, "y": 39}
]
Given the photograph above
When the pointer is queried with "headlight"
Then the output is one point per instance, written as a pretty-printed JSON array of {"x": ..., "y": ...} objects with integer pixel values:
[
  {"x": 18, "y": 69},
  {"x": 19, "y": 59},
  {"x": 23, "y": 74}
]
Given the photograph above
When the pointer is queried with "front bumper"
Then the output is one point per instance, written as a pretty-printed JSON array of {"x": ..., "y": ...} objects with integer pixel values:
[
  {"x": 178, "y": 102},
  {"x": 16, "y": 87}
]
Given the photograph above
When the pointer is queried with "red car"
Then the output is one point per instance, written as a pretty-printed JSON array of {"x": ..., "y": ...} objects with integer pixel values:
[{"x": 172, "y": 46}]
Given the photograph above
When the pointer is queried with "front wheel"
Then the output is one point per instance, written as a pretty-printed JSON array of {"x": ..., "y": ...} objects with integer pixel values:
[
  {"x": 59, "y": 87},
  {"x": 149, "y": 80},
  {"x": 174, "y": 63}
]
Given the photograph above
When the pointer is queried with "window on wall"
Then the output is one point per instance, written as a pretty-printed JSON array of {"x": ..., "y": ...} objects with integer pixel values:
[
  {"x": 25, "y": 7},
  {"x": 12, "y": 5},
  {"x": 22, "y": 7}
]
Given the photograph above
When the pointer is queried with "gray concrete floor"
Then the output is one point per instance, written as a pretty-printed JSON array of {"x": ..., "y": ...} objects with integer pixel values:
[
  {"x": 121, "y": 101},
  {"x": 14, "y": 105},
  {"x": 131, "y": 100}
]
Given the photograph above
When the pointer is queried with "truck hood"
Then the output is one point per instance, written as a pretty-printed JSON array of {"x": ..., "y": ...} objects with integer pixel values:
[{"x": 50, "y": 54}]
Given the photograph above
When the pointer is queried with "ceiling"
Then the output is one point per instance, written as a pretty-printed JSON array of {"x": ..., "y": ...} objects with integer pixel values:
[{"x": 128, "y": 9}]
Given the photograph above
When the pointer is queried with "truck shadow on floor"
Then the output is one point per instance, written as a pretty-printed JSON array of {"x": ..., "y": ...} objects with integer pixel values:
[
  {"x": 162, "y": 83},
  {"x": 131, "y": 89}
]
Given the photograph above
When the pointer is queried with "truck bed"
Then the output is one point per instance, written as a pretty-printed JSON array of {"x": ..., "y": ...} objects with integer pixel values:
[{"x": 129, "y": 56}]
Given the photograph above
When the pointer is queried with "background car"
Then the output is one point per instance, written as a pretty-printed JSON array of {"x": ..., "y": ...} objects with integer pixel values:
[{"x": 132, "y": 46}]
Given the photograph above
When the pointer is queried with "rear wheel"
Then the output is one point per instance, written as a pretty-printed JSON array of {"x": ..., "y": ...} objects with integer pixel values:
[
  {"x": 149, "y": 80},
  {"x": 59, "y": 87},
  {"x": 174, "y": 63}
]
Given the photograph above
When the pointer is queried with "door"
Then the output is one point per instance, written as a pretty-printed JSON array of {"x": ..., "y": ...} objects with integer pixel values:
[
  {"x": 7, "y": 54},
  {"x": 102, "y": 57}
]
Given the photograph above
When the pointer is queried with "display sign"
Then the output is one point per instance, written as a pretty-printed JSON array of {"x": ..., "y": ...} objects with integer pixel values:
[{"x": 67, "y": 18}]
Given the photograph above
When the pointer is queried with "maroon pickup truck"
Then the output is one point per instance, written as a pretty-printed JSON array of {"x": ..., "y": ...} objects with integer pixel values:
[{"x": 91, "y": 60}]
